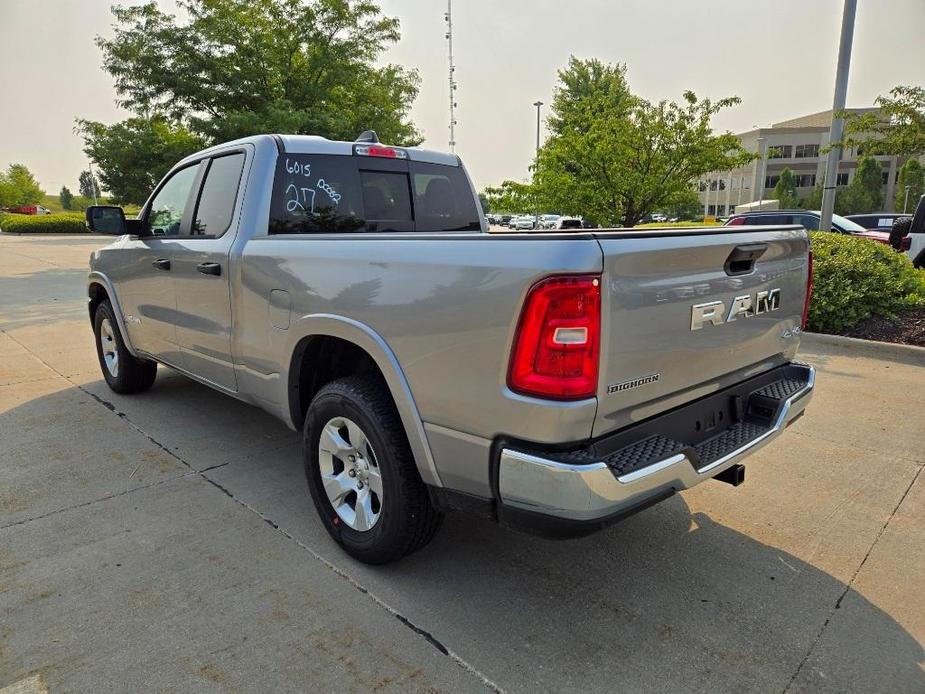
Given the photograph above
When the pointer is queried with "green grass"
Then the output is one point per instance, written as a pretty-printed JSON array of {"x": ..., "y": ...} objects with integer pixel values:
[{"x": 53, "y": 203}]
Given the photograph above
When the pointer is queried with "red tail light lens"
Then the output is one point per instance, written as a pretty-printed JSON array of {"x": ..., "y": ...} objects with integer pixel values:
[
  {"x": 557, "y": 344},
  {"x": 809, "y": 290}
]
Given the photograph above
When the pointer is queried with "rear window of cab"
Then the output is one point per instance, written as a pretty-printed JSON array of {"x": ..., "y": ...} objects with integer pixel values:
[{"x": 329, "y": 193}]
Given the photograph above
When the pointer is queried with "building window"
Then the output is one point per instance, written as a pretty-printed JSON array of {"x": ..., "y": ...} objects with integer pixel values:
[
  {"x": 807, "y": 151},
  {"x": 885, "y": 177},
  {"x": 702, "y": 186},
  {"x": 841, "y": 179},
  {"x": 780, "y": 152},
  {"x": 805, "y": 180},
  {"x": 771, "y": 181},
  {"x": 711, "y": 210}
]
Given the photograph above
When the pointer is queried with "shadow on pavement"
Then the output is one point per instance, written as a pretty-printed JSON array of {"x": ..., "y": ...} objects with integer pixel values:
[{"x": 664, "y": 601}]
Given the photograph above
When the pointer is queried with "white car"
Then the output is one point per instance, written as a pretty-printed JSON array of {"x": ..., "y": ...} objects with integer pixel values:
[
  {"x": 549, "y": 221},
  {"x": 523, "y": 223}
]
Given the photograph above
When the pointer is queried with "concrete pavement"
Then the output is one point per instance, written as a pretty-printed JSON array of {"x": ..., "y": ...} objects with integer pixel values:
[{"x": 166, "y": 541}]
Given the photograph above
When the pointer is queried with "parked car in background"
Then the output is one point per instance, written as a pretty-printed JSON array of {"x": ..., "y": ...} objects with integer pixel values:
[
  {"x": 505, "y": 220},
  {"x": 524, "y": 223},
  {"x": 569, "y": 223},
  {"x": 548, "y": 221},
  {"x": 880, "y": 221},
  {"x": 810, "y": 220}
]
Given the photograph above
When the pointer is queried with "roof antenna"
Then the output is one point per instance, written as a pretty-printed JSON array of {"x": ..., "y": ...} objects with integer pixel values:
[{"x": 368, "y": 136}]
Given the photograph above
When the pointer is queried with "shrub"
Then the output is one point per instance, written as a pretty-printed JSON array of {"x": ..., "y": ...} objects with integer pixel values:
[
  {"x": 68, "y": 223},
  {"x": 854, "y": 278}
]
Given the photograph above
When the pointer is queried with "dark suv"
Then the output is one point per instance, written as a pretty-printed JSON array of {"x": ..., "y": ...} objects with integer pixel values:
[{"x": 809, "y": 219}]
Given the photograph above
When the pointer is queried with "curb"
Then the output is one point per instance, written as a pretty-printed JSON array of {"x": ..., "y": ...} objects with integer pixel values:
[{"x": 858, "y": 345}]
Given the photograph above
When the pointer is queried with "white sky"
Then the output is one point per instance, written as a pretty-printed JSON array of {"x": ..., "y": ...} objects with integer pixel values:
[{"x": 778, "y": 56}]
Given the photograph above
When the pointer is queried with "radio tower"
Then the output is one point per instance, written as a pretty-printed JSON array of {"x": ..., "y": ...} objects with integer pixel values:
[{"x": 448, "y": 17}]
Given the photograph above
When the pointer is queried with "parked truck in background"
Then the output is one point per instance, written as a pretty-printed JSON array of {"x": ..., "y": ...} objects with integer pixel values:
[{"x": 549, "y": 381}]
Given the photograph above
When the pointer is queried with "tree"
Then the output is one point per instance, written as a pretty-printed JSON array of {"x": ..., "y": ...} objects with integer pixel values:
[
  {"x": 814, "y": 200},
  {"x": 911, "y": 174},
  {"x": 66, "y": 197},
  {"x": 786, "y": 190},
  {"x": 236, "y": 68},
  {"x": 19, "y": 187},
  {"x": 617, "y": 157},
  {"x": 87, "y": 184},
  {"x": 510, "y": 196},
  {"x": 134, "y": 155},
  {"x": 897, "y": 128},
  {"x": 865, "y": 192},
  {"x": 686, "y": 206},
  {"x": 483, "y": 203}
]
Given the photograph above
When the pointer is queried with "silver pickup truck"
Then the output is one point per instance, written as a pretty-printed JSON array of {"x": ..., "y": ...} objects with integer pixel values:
[{"x": 551, "y": 381}]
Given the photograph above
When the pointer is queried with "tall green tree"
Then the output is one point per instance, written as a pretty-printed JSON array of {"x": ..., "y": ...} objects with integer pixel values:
[
  {"x": 510, "y": 197},
  {"x": 865, "y": 192},
  {"x": 911, "y": 174},
  {"x": 786, "y": 190},
  {"x": 87, "y": 184},
  {"x": 237, "y": 67},
  {"x": 19, "y": 187},
  {"x": 617, "y": 157},
  {"x": 66, "y": 197},
  {"x": 898, "y": 128},
  {"x": 133, "y": 155}
]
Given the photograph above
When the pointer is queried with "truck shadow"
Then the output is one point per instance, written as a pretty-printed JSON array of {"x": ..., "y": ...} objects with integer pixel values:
[{"x": 664, "y": 601}]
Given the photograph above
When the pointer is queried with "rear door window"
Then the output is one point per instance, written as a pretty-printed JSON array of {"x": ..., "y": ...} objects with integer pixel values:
[
  {"x": 323, "y": 193},
  {"x": 219, "y": 193}
]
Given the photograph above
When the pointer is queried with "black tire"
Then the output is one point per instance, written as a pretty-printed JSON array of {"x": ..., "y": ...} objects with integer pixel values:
[
  {"x": 129, "y": 375},
  {"x": 407, "y": 520},
  {"x": 900, "y": 230}
]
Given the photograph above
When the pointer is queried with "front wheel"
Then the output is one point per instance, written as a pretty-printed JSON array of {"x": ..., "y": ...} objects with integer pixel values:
[
  {"x": 361, "y": 473},
  {"x": 123, "y": 373}
]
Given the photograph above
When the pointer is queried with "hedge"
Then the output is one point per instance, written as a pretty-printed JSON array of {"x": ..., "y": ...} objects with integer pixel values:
[
  {"x": 66, "y": 223},
  {"x": 855, "y": 278}
]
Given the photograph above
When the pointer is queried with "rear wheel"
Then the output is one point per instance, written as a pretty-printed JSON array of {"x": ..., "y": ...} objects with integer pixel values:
[
  {"x": 123, "y": 372},
  {"x": 361, "y": 474}
]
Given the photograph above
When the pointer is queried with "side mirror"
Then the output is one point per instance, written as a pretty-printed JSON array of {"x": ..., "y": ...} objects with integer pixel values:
[{"x": 106, "y": 219}]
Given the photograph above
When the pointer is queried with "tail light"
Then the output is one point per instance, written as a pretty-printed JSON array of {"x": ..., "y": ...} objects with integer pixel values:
[
  {"x": 809, "y": 289},
  {"x": 380, "y": 151},
  {"x": 557, "y": 343}
]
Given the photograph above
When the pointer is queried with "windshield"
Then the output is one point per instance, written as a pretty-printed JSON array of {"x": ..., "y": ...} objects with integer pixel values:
[{"x": 846, "y": 224}]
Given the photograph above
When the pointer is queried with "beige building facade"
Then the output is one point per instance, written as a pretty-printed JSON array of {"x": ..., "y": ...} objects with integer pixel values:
[{"x": 797, "y": 144}]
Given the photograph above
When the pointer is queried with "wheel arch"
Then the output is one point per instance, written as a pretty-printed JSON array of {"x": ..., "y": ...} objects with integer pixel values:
[
  {"x": 99, "y": 289},
  {"x": 326, "y": 347}
]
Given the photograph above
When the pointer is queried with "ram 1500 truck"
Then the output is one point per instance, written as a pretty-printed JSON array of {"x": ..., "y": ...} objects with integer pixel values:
[{"x": 549, "y": 381}]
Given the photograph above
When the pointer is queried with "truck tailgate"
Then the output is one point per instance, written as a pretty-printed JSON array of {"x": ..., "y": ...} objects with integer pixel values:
[{"x": 661, "y": 347}]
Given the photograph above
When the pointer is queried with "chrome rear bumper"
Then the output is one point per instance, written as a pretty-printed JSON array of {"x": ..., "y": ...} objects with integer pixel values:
[{"x": 593, "y": 491}]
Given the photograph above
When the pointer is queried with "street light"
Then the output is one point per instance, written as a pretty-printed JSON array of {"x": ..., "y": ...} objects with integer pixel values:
[{"x": 906, "y": 201}]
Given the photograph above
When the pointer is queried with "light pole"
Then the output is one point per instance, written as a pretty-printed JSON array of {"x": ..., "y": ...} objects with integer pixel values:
[
  {"x": 763, "y": 170},
  {"x": 536, "y": 160},
  {"x": 906, "y": 201},
  {"x": 838, "y": 104}
]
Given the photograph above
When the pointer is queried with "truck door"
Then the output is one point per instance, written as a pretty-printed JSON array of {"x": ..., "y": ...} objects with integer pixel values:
[
  {"x": 201, "y": 272},
  {"x": 146, "y": 281}
]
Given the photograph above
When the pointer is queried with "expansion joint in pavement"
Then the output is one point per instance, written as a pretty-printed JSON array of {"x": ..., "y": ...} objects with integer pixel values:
[
  {"x": 426, "y": 635},
  {"x": 850, "y": 584}
]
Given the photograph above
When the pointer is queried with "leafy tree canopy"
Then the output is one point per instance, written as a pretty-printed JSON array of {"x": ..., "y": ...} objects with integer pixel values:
[
  {"x": 617, "y": 157},
  {"x": 135, "y": 154},
  {"x": 911, "y": 174},
  {"x": 19, "y": 187},
  {"x": 899, "y": 127},
  {"x": 66, "y": 197},
  {"x": 786, "y": 190},
  {"x": 865, "y": 192},
  {"x": 510, "y": 197},
  {"x": 87, "y": 184},
  {"x": 239, "y": 67}
]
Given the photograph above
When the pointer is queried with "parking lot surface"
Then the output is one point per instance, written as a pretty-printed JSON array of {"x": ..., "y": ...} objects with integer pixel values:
[{"x": 166, "y": 541}]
